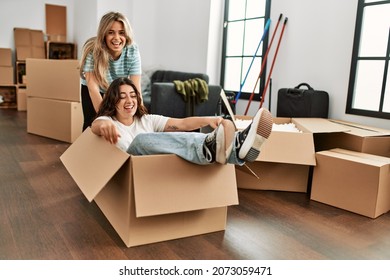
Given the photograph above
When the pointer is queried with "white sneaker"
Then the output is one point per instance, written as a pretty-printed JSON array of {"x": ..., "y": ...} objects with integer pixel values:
[
  {"x": 251, "y": 138},
  {"x": 219, "y": 143}
]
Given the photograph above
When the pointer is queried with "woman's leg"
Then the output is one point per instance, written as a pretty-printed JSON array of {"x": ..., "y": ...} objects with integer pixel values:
[
  {"x": 89, "y": 112},
  {"x": 187, "y": 145}
]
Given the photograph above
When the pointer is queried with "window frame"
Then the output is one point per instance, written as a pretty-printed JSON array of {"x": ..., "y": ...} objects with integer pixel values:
[
  {"x": 262, "y": 81},
  {"x": 354, "y": 67}
]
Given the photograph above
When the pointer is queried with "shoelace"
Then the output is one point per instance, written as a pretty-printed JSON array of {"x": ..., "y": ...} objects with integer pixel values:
[{"x": 208, "y": 155}]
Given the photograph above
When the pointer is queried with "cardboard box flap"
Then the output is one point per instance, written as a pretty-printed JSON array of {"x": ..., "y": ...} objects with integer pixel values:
[
  {"x": 166, "y": 184},
  {"x": 369, "y": 159},
  {"x": 318, "y": 125},
  {"x": 362, "y": 130},
  {"x": 289, "y": 147},
  {"x": 92, "y": 162}
]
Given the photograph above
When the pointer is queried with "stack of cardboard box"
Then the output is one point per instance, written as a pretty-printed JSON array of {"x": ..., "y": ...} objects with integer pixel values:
[
  {"x": 28, "y": 44},
  {"x": 53, "y": 103},
  {"x": 8, "y": 91}
]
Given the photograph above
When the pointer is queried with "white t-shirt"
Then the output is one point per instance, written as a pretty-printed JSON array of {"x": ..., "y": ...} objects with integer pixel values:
[{"x": 145, "y": 124}]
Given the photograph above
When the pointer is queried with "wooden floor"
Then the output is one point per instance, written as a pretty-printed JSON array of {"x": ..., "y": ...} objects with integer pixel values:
[{"x": 43, "y": 215}]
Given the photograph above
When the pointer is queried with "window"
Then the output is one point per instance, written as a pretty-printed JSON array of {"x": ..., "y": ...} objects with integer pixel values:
[
  {"x": 369, "y": 84},
  {"x": 244, "y": 25}
]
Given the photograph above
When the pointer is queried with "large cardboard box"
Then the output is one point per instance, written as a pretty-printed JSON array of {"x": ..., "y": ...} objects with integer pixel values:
[
  {"x": 359, "y": 138},
  {"x": 56, "y": 119},
  {"x": 54, "y": 78},
  {"x": 354, "y": 181},
  {"x": 29, "y": 44},
  {"x": 285, "y": 158},
  {"x": 153, "y": 198}
]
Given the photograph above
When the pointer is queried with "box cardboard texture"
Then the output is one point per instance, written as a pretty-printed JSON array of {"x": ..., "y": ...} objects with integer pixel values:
[
  {"x": 54, "y": 78},
  {"x": 354, "y": 181},
  {"x": 21, "y": 98},
  {"x": 56, "y": 119},
  {"x": 6, "y": 68},
  {"x": 29, "y": 44},
  {"x": 5, "y": 57},
  {"x": 6, "y": 75},
  {"x": 359, "y": 138},
  {"x": 55, "y": 22},
  {"x": 285, "y": 158},
  {"x": 180, "y": 199}
]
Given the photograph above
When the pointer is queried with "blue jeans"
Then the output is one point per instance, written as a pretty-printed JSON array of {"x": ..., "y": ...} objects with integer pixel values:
[{"x": 187, "y": 145}]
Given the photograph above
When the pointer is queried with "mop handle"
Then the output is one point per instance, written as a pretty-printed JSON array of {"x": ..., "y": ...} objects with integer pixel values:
[
  {"x": 263, "y": 64},
  {"x": 273, "y": 63}
]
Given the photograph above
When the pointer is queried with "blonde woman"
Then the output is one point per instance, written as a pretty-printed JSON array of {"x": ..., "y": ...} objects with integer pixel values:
[{"x": 109, "y": 55}]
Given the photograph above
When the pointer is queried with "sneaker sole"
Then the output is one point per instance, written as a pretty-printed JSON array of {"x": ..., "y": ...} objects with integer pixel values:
[
  {"x": 259, "y": 132},
  {"x": 225, "y": 136}
]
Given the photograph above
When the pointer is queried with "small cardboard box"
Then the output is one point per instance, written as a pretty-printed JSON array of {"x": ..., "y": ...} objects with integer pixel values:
[
  {"x": 285, "y": 158},
  {"x": 359, "y": 138},
  {"x": 354, "y": 181},
  {"x": 5, "y": 57},
  {"x": 6, "y": 75},
  {"x": 21, "y": 98},
  {"x": 153, "y": 198},
  {"x": 56, "y": 119},
  {"x": 54, "y": 78}
]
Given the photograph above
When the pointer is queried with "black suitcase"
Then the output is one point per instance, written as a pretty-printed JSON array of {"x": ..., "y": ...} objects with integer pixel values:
[{"x": 302, "y": 103}]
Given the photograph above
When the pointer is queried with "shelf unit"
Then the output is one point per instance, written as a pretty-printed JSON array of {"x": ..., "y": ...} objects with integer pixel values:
[
  {"x": 8, "y": 96},
  {"x": 60, "y": 50},
  {"x": 20, "y": 73}
]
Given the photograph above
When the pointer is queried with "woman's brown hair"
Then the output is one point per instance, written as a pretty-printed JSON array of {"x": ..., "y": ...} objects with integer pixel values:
[{"x": 112, "y": 97}]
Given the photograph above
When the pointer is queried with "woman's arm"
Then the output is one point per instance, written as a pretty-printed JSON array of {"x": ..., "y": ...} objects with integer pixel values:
[
  {"x": 93, "y": 89},
  {"x": 191, "y": 123},
  {"x": 107, "y": 129}
]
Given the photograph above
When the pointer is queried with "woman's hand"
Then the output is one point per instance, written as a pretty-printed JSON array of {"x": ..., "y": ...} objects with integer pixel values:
[
  {"x": 215, "y": 121},
  {"x": 106, "y": 129}
]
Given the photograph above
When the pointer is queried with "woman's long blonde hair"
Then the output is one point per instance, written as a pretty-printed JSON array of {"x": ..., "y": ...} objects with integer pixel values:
[{"x": 97, "y": 46}]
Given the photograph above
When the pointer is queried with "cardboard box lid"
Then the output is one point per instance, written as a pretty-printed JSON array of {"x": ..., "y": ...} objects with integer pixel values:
[
  {"x": 289, "y": 147},
  {"x": 365, "y": 158},
  {"x": 92, "y": 163},
  {"x": 318, "y": 125},
  {"x": 22, "y": 37},
  {"x": 184, "y": 187},
  {"x": 362, "y": 130}
]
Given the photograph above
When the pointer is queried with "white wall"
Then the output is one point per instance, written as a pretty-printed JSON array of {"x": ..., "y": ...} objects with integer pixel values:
[
  {"x": 172, "y": 34},
  {"x": 186, "y": 35}
]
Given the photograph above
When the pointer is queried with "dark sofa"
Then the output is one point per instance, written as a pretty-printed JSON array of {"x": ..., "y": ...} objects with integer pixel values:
[{"x": 165, "y": 100}]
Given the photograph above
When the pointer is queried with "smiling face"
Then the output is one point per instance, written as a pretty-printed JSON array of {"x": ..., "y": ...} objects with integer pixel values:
[
  {"x": 116, "y": 39},
  {"x": 126, "y": 106}
]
